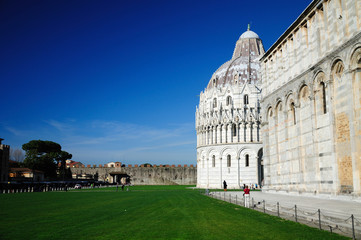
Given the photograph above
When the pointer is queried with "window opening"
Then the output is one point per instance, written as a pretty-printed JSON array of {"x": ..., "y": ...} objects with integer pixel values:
[
  {"x": 229, "y": 100},
  {"x": 247, "y": 160},
  {"x": 323, "y": 97},
  {"x": 293, "y": 110},
  {"x": 214, "y": 102},
  {"x": 245, "y": 99},
  {"x": 229, "y": 161}
]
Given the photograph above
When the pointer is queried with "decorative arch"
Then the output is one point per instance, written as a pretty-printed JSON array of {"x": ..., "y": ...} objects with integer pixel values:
[
  {"x": 288, "y": 95},
  {"x": 319, "y": 90},
  {"x": 278, "y": 109},
  {"x": 225, "y": 149},
  {"x": 303, "y": 93},
  {"x": 337, "y": 70},
  {"x": 209, "y": 152},
  {"x": 243, "y": 151},
  {"x": 355, "y": 59},
  {"x": 269, "y": 114}
]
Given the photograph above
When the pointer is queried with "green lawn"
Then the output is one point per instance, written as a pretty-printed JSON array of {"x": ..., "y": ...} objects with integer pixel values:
[{"x": 145, "y": 212}]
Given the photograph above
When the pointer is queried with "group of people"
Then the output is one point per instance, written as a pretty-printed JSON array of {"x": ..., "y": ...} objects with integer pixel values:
[{"x": 246, "y": 191}]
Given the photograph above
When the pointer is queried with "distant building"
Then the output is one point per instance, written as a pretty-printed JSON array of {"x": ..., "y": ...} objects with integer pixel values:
[
  {"x": 228, "y": 120},
  {"x": 25, "y": 174},
  {"x": 113, "y": 164},
  {"x": 4, "y": 161},
  {"x": 71, "y": 164}
]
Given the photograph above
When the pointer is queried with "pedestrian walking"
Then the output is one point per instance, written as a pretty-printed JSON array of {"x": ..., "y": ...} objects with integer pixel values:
[
  {"x": 246, "y": 197},
  {"x": 225, "y": 185}
]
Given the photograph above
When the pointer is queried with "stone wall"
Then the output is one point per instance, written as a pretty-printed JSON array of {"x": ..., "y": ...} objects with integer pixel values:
[
  {"x": 142, "y": 175},
  {"x": 311, "y": 79}
]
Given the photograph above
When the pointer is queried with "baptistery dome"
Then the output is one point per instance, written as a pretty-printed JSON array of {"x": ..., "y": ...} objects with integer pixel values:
[
  {"x": 228, "y": 120},
  {"x": 244, "y": 65}
]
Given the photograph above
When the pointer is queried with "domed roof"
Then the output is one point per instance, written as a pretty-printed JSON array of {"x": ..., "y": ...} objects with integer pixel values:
[
  {"x": 244, "y": 66},
  {"x": 249, "y": 34}
]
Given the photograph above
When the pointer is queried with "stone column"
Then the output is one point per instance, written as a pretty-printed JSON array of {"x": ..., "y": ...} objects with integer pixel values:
[
  {"x": 254, "y": 132},
  {"x": 209, "y": 136},
  {"x": 315, "y": 153},
  {"x": 238, "y": 126},
  {"x": 241, "y": 132},
  {"x": 214, "y": 135},
  {"x": 266, "y": 153},
  {"x": 229, "y": 133},
  {"x": 219, "y": 137},
  {"x": 330, "y": 111},
  {"x": 221, "y": 133},
  {"x": 203, "y": 137},
  {"x": 220, "y": 167},
  {"x": 224, "y": 133},
  {"x": 239, "y": 171},
  {"x": 207, "y": 172},
  {"x": 215, "y": 141},
  {"x": 248, "y": 132},
  {"x": 206, "y": 137}
]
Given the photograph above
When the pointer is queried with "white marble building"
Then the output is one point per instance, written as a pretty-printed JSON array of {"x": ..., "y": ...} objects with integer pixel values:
[
  {"x": 311, "y": 90},
  {"x": 228, "y": 121}
]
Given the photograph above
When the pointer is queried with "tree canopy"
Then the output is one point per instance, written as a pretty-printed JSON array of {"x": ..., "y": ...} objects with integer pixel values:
[{"x": 45, "y": 156}]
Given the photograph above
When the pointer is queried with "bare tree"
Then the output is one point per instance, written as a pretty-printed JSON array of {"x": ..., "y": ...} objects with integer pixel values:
[{"x": 17, "y": 155}]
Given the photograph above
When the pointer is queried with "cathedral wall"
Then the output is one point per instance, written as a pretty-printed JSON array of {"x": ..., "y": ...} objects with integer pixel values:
[
  {"x": 311, "y": 87},
  {"x": 326, "y": 26}
]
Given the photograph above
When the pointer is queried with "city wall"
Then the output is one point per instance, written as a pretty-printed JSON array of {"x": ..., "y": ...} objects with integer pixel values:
[{"x": 139, "y": 175}]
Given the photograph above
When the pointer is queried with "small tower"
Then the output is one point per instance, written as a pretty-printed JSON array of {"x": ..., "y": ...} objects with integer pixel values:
[{"x": 4, "y": 161}]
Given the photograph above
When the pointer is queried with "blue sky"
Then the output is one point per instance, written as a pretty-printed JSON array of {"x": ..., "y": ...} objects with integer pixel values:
[{"x": 119, "y": 80}]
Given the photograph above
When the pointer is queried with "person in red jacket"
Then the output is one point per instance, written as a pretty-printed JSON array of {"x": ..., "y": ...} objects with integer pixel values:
[{"x": 246, "y": 197}]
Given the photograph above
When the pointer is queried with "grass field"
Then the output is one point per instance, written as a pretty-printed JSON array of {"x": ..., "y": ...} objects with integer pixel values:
[{"x": 145, "y": 212}]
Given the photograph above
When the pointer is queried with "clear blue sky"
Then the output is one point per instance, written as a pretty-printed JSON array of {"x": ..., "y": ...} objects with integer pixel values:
[{"x": 119, "y": 80}]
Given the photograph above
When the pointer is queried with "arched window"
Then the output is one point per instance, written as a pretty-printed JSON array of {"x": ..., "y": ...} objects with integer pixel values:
[
  {"x": 228, "y": 160},
  {"x": 247, "y": 160},
  {"x": 245, "y": 99},
  {"x": 323, "y": 91},
  {"x": 213, "y": 161},
  {"x": 234, "y": 130},
  {"x": 293, "y": 111},
  {"x": 229, "y": 100},
  {"x": 214, "y": 102}
]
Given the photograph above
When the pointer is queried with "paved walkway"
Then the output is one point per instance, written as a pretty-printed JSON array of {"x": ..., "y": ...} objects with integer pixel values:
[
  {"x": 329, "y": 206},
  {"x": 334, "y": 214}
]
